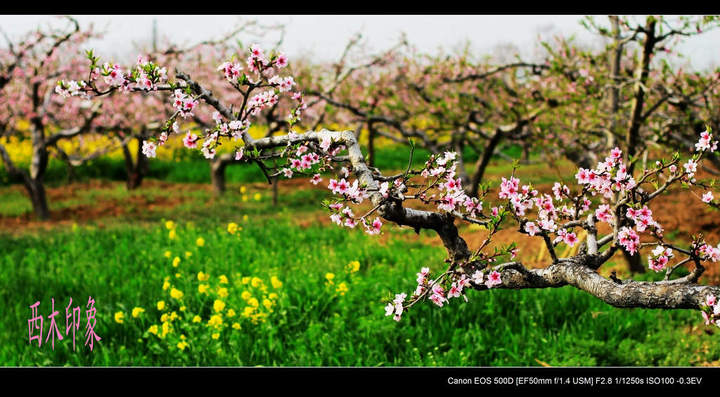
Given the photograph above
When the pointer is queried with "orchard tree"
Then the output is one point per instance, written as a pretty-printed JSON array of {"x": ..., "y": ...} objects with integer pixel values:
[
  {"x": 614, "y": 207},
  {"x": 27, "y": 97},
  {"x": 442, "y": 102}
]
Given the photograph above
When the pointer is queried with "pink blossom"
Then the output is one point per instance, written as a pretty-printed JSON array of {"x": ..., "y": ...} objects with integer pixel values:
[
  {"x": 531, "y": 228},
  {"x": 149, "y": 148},
  {"x": 315, "y": 179},
  {"x": 707, "y": 197},
  {"x": 493, "y": 279}
]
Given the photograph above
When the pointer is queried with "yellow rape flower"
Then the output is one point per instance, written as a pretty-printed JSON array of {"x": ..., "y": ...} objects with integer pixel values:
[
  {"x": 164, "y": 317},
  {"x": 182, "y": 345},
  {"x": 257, "y": 197},
  {"x": 172, "y": 235},
  {"x": 222, "y": 292},
  {"x": 168, "y": 254},
  {"x": 248, "y": 311},
  {"x": 353, "y": 266},
  {"x": 232, "y": 227},
  {"x": 223, "y": 279},
  {"x": 170, "y": 225},
  {"x": 329, "y": 277},
  {"x": 273, "y": 296},
  {"x": 203, "y": 276},
  {"x": 245, "y": 280},
  {"x": 215, "y": 321},
  {"x": 188, "y": 254},
  {"x": 256, "y": 282},
  {"x": 200, "y": 241},
  {"x": 218, "y": 305},
  {"x": 231, "y": 313},
  {"x": 244, "y": 198},
  {"x": 243, "y": 189},
  {"x": 276, "y": 283},
  {"x": 342, "y": 288},
  {"x": 166, "y": 329},
  {"x": 161, "y": 305},
  {"x": 153, "y": 329},
  {"x": 173, "y": 316},
  {"x": 245, "y": 218},
  {"x": 137, "y": 311},
  {"x": 119, "y": 316},
  {"x": 246, "y": 295},
  {"x": 236, "y": 325},
  {"x": 166, "y": 285},
  {"x": 176, "y": 293},
  {"x": 176, "y": 261},
  {"x": 253, "y": 302},
  {"x": 267, "y": 303},
  {"x": 203, "y": 288},
  {"x": 215, "y": 335},
  {"x": 182, "y": 308},
  {"x": 178, "y": 275},
  {"x": 197, "y": 319}
]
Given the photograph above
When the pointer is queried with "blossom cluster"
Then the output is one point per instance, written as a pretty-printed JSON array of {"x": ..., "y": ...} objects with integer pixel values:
[
  {"x": 659, "y": 258},
  {"x": 452, "y": 196},
  {"x": 711, "y": 310}
]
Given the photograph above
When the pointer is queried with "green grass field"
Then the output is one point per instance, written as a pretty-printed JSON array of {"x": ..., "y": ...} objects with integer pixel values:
[{"x": 285, "y": 310}]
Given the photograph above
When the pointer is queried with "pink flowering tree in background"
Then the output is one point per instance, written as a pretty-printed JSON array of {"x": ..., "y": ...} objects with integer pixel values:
[
  {"x": 29, "y": 108},
  {"x": 611, "y": 204}
]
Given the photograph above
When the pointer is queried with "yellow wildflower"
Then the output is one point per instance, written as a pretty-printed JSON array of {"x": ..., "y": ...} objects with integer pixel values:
[
  {"x": 245, "y": 280},
  {"x": 329, "y": 277},
  {"x": 178, "y": 275},
  {"x": 166, "y": 329},
  {"x": 119, "y": 316},
  {"x": 257, "y": 197},
  {"x": 223, "y": 279},
  {"x": 161, "y": 305},
  {"x": 222, "y": 292},
  {"x": 170, "y": 225},
  {"x": 276, "y": 283},
  {"x": 244, "y": 198},
  {"x": 137, "y": 311},
  {"x": 253, "y": 302},
  {"x": 246, "y": 295},
  {"x": 176, "y": 261},
  {"x": 188, "y": 254},
  {"x": 203, "y": 288},
  {"x": 353, "y": 266},
  {"x": 164, "y": 317},
  {"x": 248, "y": 311},
  {"x": 215, "y": 335},
  {"x": 232, "y": 227},
  {"x": 183, "y": 337},
  {"x": 200, "y": 241},
  {"x": 267, "y": 303},
  {"x": 182, "y": 345},
  {"x": 182, "y": 308},
  {"x": 342, "y": 288},
  {"x": 203, "y": 276},
  {"x": 231, "y": 313},
  {"x": 153, "y": 329},
  {"x": 236, "y": 325},
  {"x": 215, "y": 321},
  {"x": 245, "y": 217},
  {"x": 172, "y": 234},
  {"x": 166, "y": 285},
  {"x": 218, "y": 305},
  {"x": 173, "y": 316},
  {"x": 176, "y": 293},
  {"x": 243, "y": 189},
  {"x": 273, "y": 296},
  {"x": 168, "y": 254},
  {"x": 256, "y": 282},
  {"x": 197, "y": 319}
]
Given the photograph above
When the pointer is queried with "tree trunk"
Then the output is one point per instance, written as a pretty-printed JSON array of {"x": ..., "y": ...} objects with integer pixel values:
[
  {"x": 137, "y": 169},
  {"x": 632, "y": 138},
  {"x": 483, "y": 162},
  {"x": 217, "y": 173},
  {"x": 275, "y": 183},
  {"x": 371, "y": 145},
  {"x": 36, "y": 191}
]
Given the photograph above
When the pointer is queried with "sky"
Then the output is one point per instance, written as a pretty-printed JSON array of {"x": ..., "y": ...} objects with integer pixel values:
[{"x": 324, "y": 36}]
